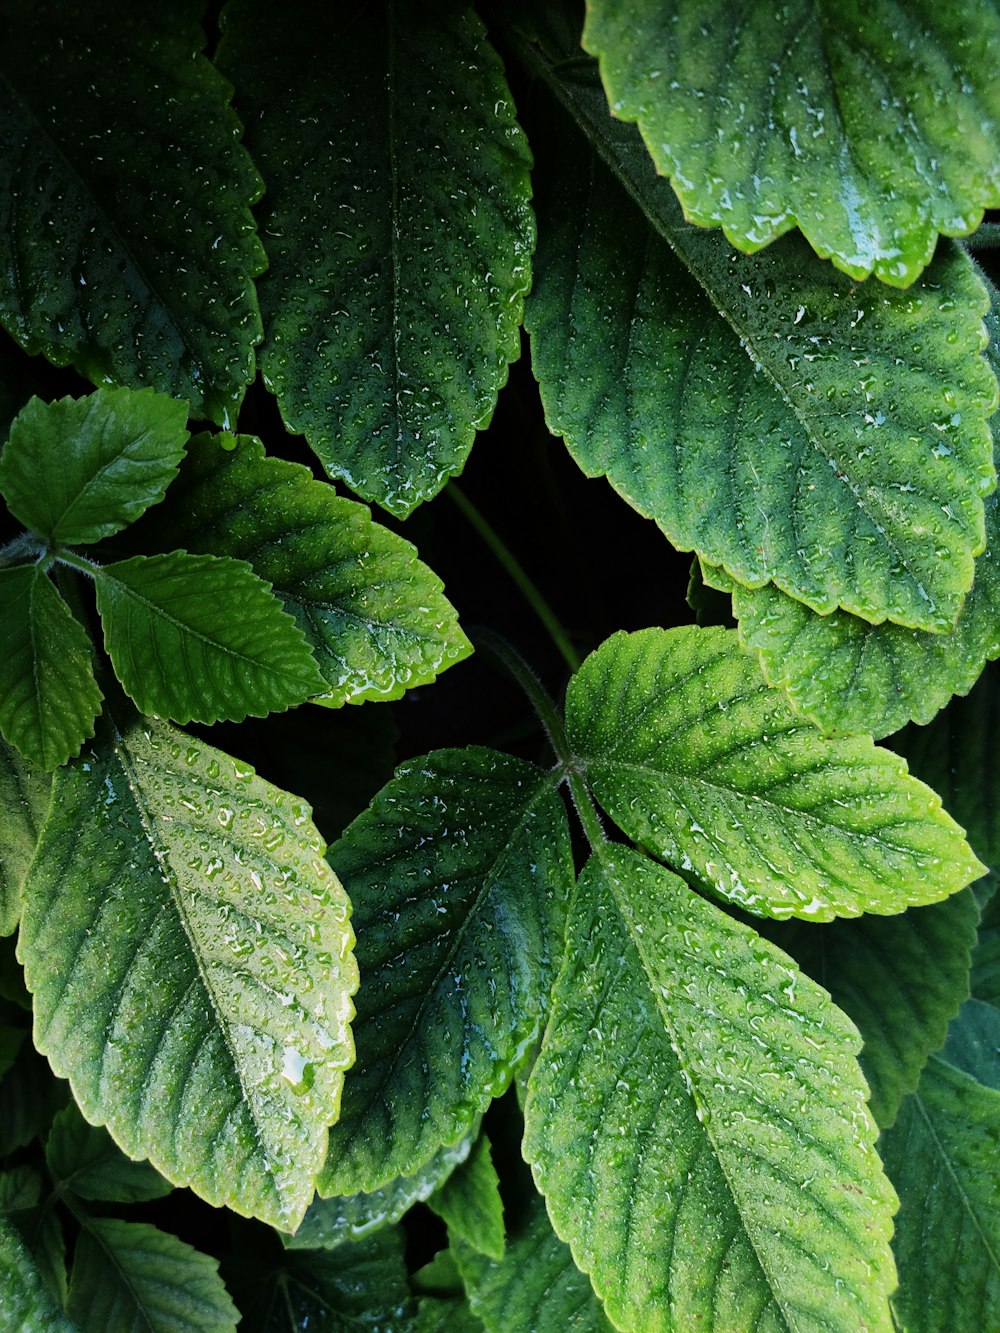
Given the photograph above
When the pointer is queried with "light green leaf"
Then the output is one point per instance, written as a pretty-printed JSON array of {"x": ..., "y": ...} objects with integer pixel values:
[
  {"x": 696, "y": 759},
  {"x": 201, "y": 638},
  {"x": 985, "y": 978},
  {"x": 374, "y": 615},
  {"x": 763, "y": 412},
  {"x": 973, "y": 1043},
  {"x": 26, "y": 1303},
  {"x": 48, "y": 695},
  {"x": 127, "y": 246},
  {"x": 901, "y": 979},
  {"x": 469, "y": 1203},
  {"x": 459, "y": 871},
  {"x": 79, "y": 469},
  {"x": 399, "y": 244},
  {"x": 188, "y": 951},
  {"x": 129, "y": 1275},
  {"x": 24, "y": 799},
  {"x": 86, "y": 1160},
  {"x": 870, "y": 126},
  {"x": 941, "y": 1156},
  {"x": 696, "y": 1120},
  {"x": 534, "y": 1285}
]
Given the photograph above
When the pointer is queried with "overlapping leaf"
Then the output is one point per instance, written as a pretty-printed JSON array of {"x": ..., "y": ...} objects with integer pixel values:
[
  {"x": 973, "y": 1044},
  {"x": 985, "y": 979},
  {"x": 696, "y": 1120},
  {"x": 469, "y": 1203},
  {"x": 188, "y": 951},
  {"x": 399, "y": 238},
  {"x": 24, "y": 799},
  {"x": 85, "y": 1159},
  {"x": 374, "y": 615},
  {"x": 700, "y": 762},
  {"x": 458, "y": 871},
  {"x": 127, "y": 247},
  {"x": 871, "y": 126},
  {"x": 25, "y": 1300}
]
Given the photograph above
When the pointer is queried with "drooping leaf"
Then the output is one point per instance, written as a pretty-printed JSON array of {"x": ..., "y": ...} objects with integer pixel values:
[
  {"x": 48, "y": 695},
  {"x": 941, "y": 1156},
  {"x": 25, "y": 1299},
  {"x": 86, "y": 1160},
  {"x": 374, "y": 615},
  {"x": 127, "y": 246},
  {"x": 870, "y": 126},
  {"x": 696, "y": 1120},
  {"x": 399, "y": 241},
  {"x": 763, "y": 412},
  {"x": 24, "y": 799},
  {"x": 79, "y": 469},
  {"x": 188, "y": 951},
  {"x": 973, "y": 1043},
  {"x": 201, "y": 638},
  {"x": 901, "y": 979},
  {"x": 696, "y": 759},
  {"x": 469, "y": 1203},
  {"x": 130, "y": 1275},
  {"x": 985, "y": 979},
  {"x": 458, "y": 871}
]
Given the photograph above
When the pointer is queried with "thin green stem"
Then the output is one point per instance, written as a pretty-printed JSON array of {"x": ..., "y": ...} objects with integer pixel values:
[
  {"x": 985, "y": 237},
  {"x": 516, "y": 571},
  {"x": 586, "y": 809},
  {"x": 23, "y": 549},
  {"x": 64, "y": 556}
]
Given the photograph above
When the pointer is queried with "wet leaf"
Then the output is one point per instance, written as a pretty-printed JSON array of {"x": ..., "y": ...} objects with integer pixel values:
[{"x": 469, "y": 1202}]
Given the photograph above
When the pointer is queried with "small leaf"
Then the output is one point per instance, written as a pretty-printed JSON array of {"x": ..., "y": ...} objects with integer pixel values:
[
  {"x": 48, "y": 695},
  {"x": 20, "y": 1188},
  {"x": 458, "y": 872},
  {"x": 86, "y": 1160},
  {"x": 131, "y": 1275},
  {"x": 29, "y": 1098},
  {"x": 201, "y": 638},
  {"x": 77, "y": 470},
  {"x": 697, "y": 760},
  {"x": 469, "y": 1203},
  {"x": 696, "y": 1120},
  {"x": 400, "y": 245},
  {"x": 188, "y": 951},
  {"x": 24, "y": 798},
  {"x": 25, "y": 1299},
  {"x": 973, "y": 1043}
]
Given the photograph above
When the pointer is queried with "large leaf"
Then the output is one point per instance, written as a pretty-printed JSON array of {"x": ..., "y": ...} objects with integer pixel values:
[
  {"x": 80, "y": 469},
  {"x": 85, "y": 1160},
  {"x": 188, "y": 951},
  {"x": 458, "y": 873},
  {"x": 398, "y": 236},
  {"x": 26, "y": 1303},
  {"x": 941, "y": 1156},
  {"x": 871, "y": 125},
  {"x": 24, "y": 799},
  {"x": 200, "y": 637},
  {"x": 48, "y": 695},
  {"x": 374, "y": 615},
  {"x": 700, "y": 762},
  {"x": 763, "y": 412},
  {"x": 696, "y": 1120},
  {"x": 127, "y": 247}
]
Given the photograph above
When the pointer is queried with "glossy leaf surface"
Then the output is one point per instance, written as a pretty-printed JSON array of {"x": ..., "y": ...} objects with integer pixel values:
[{"x": 470, "y": 1205}]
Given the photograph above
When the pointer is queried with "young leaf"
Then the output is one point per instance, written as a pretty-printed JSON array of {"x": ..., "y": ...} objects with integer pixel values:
[
  {"x": 763, "y": 412},
  {"x": 131, "y": 1275},
  {"x": 24, "y": 799},
  {"x": 25, "y": 1299},
  {"x": 127, "y": 246},
  {"x": 48, "y": 695},
  {"x": 374, "y": 615},
  {"x": 399, "y": 244},
  {"x": 941, "y": 1156},
  {"x": 79, "y": 469},
  {"x": 201, "y": 638},
  {"x": 85, "y": 1159},
  {"x": 469, "y": 1203},
  {"x": 698, "y": 761},
  {"x": 459, "y": 871},
  {"x": 696, "y": 1120},
  {"x": 869, "y": 126},
  {"x": 188, "y": 951}
]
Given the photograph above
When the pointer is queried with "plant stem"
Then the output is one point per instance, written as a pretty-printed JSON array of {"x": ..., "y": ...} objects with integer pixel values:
[
  {"x": 516, "y": 571},
  {"x": 985, "y": 237},
  {"x": 21, "y": 550},
  {"x": 64, "y": 556}
]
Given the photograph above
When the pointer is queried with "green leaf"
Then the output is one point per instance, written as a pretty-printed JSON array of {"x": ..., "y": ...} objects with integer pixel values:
[
  {"x": 374, "y": 615},
  {"x": 534, "y": 1285},
  {"x": 130, "y": 1275},
  {"x": 445, "y": 1315},
  {"x": 29, "y": 1098},
  {"x": 201, "y": 638},
  {"x": 459, "y": 872},
  {"x": 85, "y": 1159},
  {"x": 77, "y": 470},
  {"x": 10, "y": 1044},
  {"x": 24, "y": 799},
  {"x": 41, "y": 1231},
  {"x": 469, "y": 1203},
  {"x": 400, "y": 242},
  {"x": 870, "y": 126},
  {"x": 698, "y": 761},
  {"x": 48, "y": 695},
  {"x": 127, "y": 246},
  {"x": 696, "y": 1120},
  {"x": 763, "y": 412},
  {"x": 941, "y": 1157},
  {"x": 973, "y": 1043},
  {"x": 985, "y": 978},
  {"x": 20, "y": 1188},
  {"x": 901, "y": 979},
  {"x": 188, "y": 951},
  {"x": 25, "y": 1300}
]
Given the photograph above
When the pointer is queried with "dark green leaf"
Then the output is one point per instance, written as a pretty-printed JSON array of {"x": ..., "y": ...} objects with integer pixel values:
[
  {"x": 985, "y": 979},
  {"x": 10, "y": 1044},
  {"x": 86, "y": 1160},
  {"x": 24, "y": 799},
  {"x": 26, "y": 1303},
  {"x": 973, "y": 1043},
  {"x": 29, "y": 1098},
  {"x": 41, "y": 1231},
  {"x": 470, "y": 1204},
  {"x": 20, "y": 1188}
]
